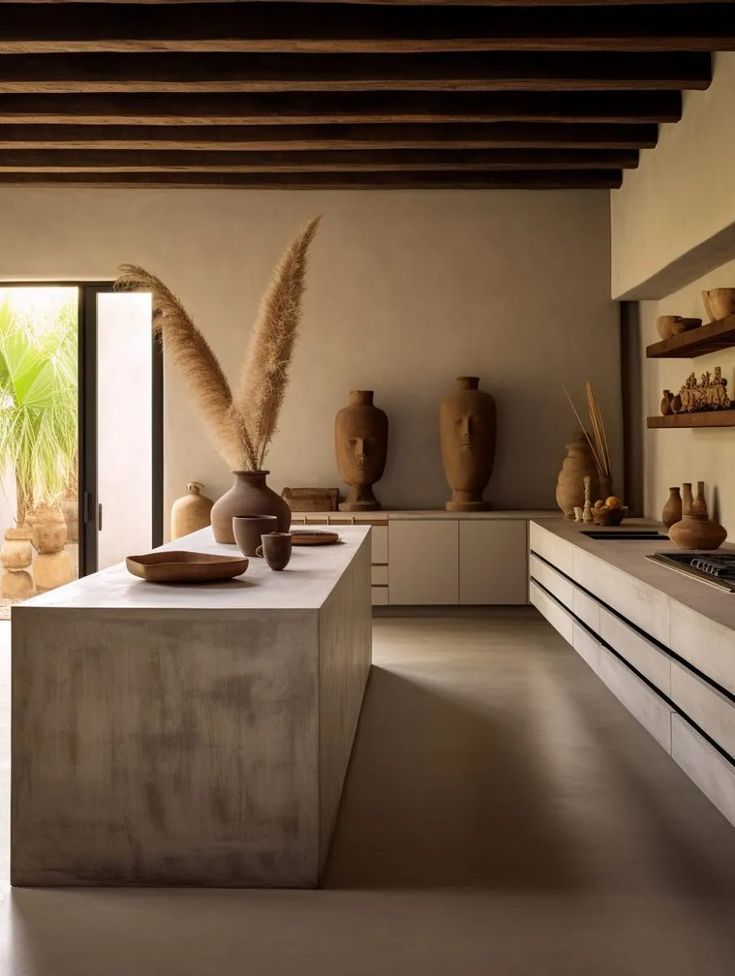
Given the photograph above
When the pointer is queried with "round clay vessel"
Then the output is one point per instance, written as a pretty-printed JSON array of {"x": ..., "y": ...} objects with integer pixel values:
[
  {"x": 191, "y": 512},
  {"x": 16, "y": 552},
  {"x": 361, "y": 444},
  {"x": 249, "y": 495},
  {"x": 719, "y": 302},
  {"x": 666, "y": 402},
  {"x": 672, "y": 512},
  {"x": 52, "y": 569},
  {"x": 697, "y": 532},
  {"x": 48, "y": 529},
  {"x": 17, "y": 584},
  {"x": 578, "y": 463},
  {"x": 467, "y": 428}
]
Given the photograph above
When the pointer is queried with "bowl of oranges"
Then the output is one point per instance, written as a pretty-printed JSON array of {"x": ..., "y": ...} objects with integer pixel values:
[{"x": 609, "y": 512}]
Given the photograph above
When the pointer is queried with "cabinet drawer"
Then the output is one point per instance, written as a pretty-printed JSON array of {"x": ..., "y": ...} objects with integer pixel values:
[
  {"x": 587, "y": 647},
  {"x": 644, "y": 704},
  {"x": 554, "y": 582},
  {"x": 557, "y": 616},
  {"x": 379, "y": 543},
  {"x": 379, "y": 596},
  {"x": 379, "y": 575},
  {"x": 642, "y": 654},
  {"x": 712, "y": 773},
  {"x": 493, "y": 561},
  {"x": 424, "y": 562},
  {"x": 706, "y": 706}
]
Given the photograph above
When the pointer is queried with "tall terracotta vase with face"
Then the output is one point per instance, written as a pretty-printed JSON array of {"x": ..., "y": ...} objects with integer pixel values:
[
  {"x": 467, "y": 424},
  {"x": 361, "y": 443}
]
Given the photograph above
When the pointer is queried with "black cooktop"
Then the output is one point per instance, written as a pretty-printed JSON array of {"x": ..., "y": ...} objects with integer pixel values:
[{"x": 715, "y": 568}]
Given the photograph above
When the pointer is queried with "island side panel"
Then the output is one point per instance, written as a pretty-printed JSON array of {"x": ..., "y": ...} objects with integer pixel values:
[
  {"x": 345, "y": 655},
  {"x": 165, "y": 747}
]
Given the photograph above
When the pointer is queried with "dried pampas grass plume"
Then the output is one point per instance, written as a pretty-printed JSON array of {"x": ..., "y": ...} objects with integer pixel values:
[{"x": 243, "y": 426}]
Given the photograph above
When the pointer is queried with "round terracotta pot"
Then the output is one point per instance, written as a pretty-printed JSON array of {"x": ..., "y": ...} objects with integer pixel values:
[
  {"x": 249, "y": 495},
  {"x": 361, "y": 445},
  {"x": 48, "y": 529},
  {"x": 467, "y": 426},
  {"x": 16, "y": 552},
  {"x": 191, "y": 512},
  {"x": 697, "y": 532},
  {"x": 17, "y": 584},
  {"x": 578, "y": 463}
]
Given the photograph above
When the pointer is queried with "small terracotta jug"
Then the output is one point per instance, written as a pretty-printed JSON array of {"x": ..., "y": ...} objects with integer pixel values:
[
  {"x": 666, "y": 403},
  {"x": 672, "y": 512},
  {"x": 699, "y": 505},
  {"x": 190, "y": 512},
  {"x": 686, "y": 498},
  {"x": 697, "y": 532}
]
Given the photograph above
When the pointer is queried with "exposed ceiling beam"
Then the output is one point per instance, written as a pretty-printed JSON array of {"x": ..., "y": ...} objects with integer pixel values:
[
  {"x": 422, "y": 3},
  {"x": 43, "y": 161},
  {"x": 294, "y": 108},
  {"x": 348, "y": 28},
  {"x": 242, "y": 138},
  {"x": 357, "y": 72},
  {"x": 515, "y": 179}
]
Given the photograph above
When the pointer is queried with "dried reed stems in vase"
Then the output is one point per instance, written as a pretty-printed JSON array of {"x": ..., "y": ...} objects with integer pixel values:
[
  {"x": 598, "y": 439},
  {"x": 241, "y": 425}
]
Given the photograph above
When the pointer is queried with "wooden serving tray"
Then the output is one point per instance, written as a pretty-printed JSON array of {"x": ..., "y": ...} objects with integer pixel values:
[
  {"x": 178, "y": 566},
  {"x": 313, "y": 537}
]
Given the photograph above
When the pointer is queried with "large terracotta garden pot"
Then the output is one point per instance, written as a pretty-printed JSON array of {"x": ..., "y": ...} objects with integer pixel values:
[
  {"x": 190, "y": 512},
  {"x": 361, "y": 444},
  {"x": 249, "y": 495},
  {"x": 48, "y": 529},
  {"x": 467, "y": 423},
  {"x": 16, "y": 556},
  {"x": 578, "y": 463}
]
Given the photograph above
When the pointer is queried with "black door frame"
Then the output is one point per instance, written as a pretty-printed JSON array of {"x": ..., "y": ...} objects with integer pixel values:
[{"x": 87, "y": 292}]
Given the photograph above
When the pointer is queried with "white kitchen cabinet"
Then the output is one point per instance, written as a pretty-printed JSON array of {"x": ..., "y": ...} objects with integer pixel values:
[
  {"x": 493, "y": 561},
  {"x": 424, "y": 562}
]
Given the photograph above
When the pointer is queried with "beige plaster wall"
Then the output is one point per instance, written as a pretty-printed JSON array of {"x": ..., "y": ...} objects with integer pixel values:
[
  {"x": 673, "y": 219},
  {"x": 674, "y": 456},
  {"x": 406, "y": 291}
]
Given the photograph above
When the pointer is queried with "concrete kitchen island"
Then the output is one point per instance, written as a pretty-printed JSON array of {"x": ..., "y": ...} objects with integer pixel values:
[{"x": 188, "y": 735}]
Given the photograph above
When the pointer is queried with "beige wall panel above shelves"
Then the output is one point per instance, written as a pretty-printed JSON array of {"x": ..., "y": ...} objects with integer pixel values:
[{"x": 424, "y": 563}]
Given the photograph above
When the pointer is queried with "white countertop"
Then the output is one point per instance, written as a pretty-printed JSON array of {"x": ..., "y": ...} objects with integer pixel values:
[
  {"x": 629, "y": 557},
  {"x": 305, "y": 584}
]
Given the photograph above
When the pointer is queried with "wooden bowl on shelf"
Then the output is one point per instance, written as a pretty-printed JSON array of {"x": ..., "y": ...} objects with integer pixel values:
[
  {"x": 674, "y": 325},
  {"x": 609, "y": 516},
  {"x": 719, "y": 302}
]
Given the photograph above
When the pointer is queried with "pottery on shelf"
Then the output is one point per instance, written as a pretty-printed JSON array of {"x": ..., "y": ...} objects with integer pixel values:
[
  {"x": 674, "y": 325},
  {"x": 672, "y": 511},
  {"x": 578, "y": 463},
  {"x": 467, "y": 426},
  {"x": 249, "y": 495},
  {"x": 666, "y": 399},
  {"x": 190, "y": 512},
  {"x": 361, "y": 445},
  {"x": 719, "y": 302},
  {"x": 699, "y": 505},
  {"x": 687, "y": 499}
]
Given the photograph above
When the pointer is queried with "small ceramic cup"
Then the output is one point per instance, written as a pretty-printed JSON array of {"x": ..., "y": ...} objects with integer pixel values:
[
  {"x": 248, "y": 529},
  {"x": 276, "y": 547},
  {"x": 578, "y": 510}
]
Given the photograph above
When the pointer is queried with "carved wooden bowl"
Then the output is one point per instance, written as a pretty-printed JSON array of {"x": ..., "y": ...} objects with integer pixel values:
[{"x": 178, "y": 566}]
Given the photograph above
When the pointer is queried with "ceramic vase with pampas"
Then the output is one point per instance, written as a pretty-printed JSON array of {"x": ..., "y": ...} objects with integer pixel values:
[
  {"x": 587, "y": 454},
  {"x": 241, "y": 422}
]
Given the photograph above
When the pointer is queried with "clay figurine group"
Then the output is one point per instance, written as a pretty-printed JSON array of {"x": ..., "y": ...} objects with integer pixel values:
[{"x": 709, "y": 393}]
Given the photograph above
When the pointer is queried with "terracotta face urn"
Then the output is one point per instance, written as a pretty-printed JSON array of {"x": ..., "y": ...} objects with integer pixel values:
[
  {"x": 578, "y": 463},
  {"x": 249, "y": 495},
  {"x": 191, "y": 512},
  {"x": 672, "y": 512},
  {"x": 361, "y": 445},
  {"x": 467, "y": 428}
]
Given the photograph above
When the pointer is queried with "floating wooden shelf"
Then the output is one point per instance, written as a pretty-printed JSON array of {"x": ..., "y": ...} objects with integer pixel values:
[
  {"x": 710, "y": 418},
  {"x": 697, "y": 342}
]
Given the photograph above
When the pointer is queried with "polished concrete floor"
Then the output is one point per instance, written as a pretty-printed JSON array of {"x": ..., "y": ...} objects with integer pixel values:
[{"x": 503, "y": 815}]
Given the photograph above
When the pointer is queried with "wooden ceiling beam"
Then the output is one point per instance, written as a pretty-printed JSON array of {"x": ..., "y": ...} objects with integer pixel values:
[
  {"x": 56, "y": 161},
  {"x": 262, "y": 138},
  {"x": 295, "y": 108},
  {"x": 502, "y": 71},
  {"x": 325, "y": 28},
  {"x": 515, "y": 179},
  {"x": 407, "y": 3}
]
